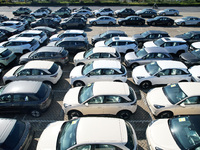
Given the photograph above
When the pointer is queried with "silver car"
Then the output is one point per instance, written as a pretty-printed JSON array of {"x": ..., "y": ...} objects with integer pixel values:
[
  {"x": 188, "y": 21},
  {"x": 169, "y": 12},
  {"x": 103, "y": 20},
  {"x": 6, "y": 57}
]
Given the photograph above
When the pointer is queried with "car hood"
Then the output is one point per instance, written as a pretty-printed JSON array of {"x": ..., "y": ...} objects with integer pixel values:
[
  {"x": 138, "y": 11},
  {"x": 12, "y": 37},
  {"x": 149, "y": 20},
  {"x": 53, "y": 37},
  {"x": 25, "y": 56},
  {"x": 48, "y": 139},
  {"x": 137, "y": 36},
  {"x": 130, "y": 56},
  {"x": 150, "y": 44},
  {"x": 140, "y": 71},
  {"x": 2, "y": 43},
  {"x": 94, "y": 19},
  {"x": 99, "y": 44},
  {"x": 196, "y": 44},
  {"x": 76, "y": 71},
  {"x": 179, "y": 20},
  {"x": 79, "y": 56},
  {"x": 96, "y": 37},
  {"x": 52, "y": 43},
  {"x": 195, "y": 70},
  {"x": 161, "y": 11},
  {"x": 11, "y": 72},
  {"x": 71, "y": 97},
  {"x": 189, "y": 57}
]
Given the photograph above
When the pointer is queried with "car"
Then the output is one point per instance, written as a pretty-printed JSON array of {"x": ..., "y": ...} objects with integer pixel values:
[
  {"x": 21, "y": 10},
  {"x": 21, "y": 45},
  {"x": 99, "y": 70},
  {"x": 54, "y": 17},
  {"x": 114, "y": 98},
  {"x": 103, "y": 12},
  {"x": 14, "y": 24},
  {"x": 37, "y": 70},
  {"x": 131, "y": 20},
  {"x": 190, "y": 58},
  {"x": 174, "y": 99},
  {"x": 89, "y": 133},
  {"x": 160, "y": 72},
  {"x": 106, "y": 35},
  {"x": 146, "y": 56},
  {"x": 40, "y": 36},
  {"x": 173, "y": 45},
  {"x": 49, "y": 22},
  {"x": 122, "y": 44},
  {"x": 83, "y": 12},
  {"x": 73, "y": 22},
  {"x": 124, "y": 12},
  {"x": 6, "y": 57},
  {"x": 8, "y": 31},
  {"x": 149, "y": 35},
  {"x": 3, "y": 18},
  {"x": 178, "y": 133},
  {"x": 195, "y": 72},
  {"x": 40, "y": 13},
  {"x": 189, "y": 20},
  {"x": 68, "y": 33},
  {"x": 62, "y": 12},
  {"x": 3, "y": 36},
  {"x": 168, "y": 12},
  {"x": 29, "y": 18},
  {"x": 24, "y": 21},
  {"x": 12, "y": 137},
  {"x": 56, "y": 54},
  {"x": 72, "y": 44},
  {"x": 194, "y": 46},
  {"x": 190, "y": 37},
  {"x": 34, "y": 99},
  {"x": 159, "y": 20},
  {"x": 106, "y": 20},
  {"x": 48, "y": 30},
  {"x": 83, "y": 7},
  {"x": 146, "y": 13},
  {"x": 46, "y": 8},
  {"x": 96, "y": 53}
]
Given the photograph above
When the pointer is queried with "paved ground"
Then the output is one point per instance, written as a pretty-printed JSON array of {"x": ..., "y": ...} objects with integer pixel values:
[{"x": 141, "y": 118}]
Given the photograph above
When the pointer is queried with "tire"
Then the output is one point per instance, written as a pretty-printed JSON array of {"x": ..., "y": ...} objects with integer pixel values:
[
  {"x": 80, "y": 64},
  {"x": 25, "y": 51},
  {"x": 198, "y": 24},
  {"x": 145, "y": 84},
  {"x": 183, "y": 81},
  {"x": 8, "y": 81},
  {"x": 134, "y": 65},
  {"x": 119, "y": 15},
  {"x": 140, "y": 44},
  {"x": 78, "y": 83},
  {"x": 175, "y": 14},
  {"x": 123, "y": 23},
  {"x": 129, "y": 50},
  {"x": 74, "y": 113},
  {"x": 2, "y": 66},
  {"x": 35, "y": 113},
  {"x": 94, "y": 23},
  {"x": 183, "y": 23},
  {"x": 153, "y": 23},
  {"x": 165, "y": 114},
  {"x": 169, "y": 24},
  {"x": 125, "y": 114},
  {"x": 153, "y": 16},
  {"x": 140, "y": 23},
  {"x": 110, "y": 23},
  {"x": 164, "y": 14}
]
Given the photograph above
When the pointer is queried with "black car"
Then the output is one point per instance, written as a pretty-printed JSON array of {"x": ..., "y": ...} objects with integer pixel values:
[
  {"x": 77, "y": 23},
  {"x": 190, "y": 37},
  {"x": 8, "y": 31},
  {"x": 162, "y": 21},
  {"x": 44, "y": 22},
  {"x": 3, "y": 36},
  {"x": 146, "y": 13},
  {"x": 25, "y": 97},
  {"x": 131, "y": 20},
  {"x": 48, "y": 30},
  {"x": 108, "y": 34},
  {"x": 46, "y": 8},
  {"x": 3, "y": 18},
  {"x": 29, "y": 18},
  {"x": 149, "y": 35},
  {"x": 125, "y": 12}
]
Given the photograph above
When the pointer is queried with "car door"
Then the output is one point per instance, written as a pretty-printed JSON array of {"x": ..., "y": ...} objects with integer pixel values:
[
  {"x": 162, "y": 77},
  {"x": 94, "y": 75},
  {"x": 178, "y": 75},
  {"x": 18, "y": 101},
  {"x": 170, "y": 46},
  {"x": 24, "y": 74},
  {"x": 6, "y": 103},
  {"x": 39, "y": 75}
]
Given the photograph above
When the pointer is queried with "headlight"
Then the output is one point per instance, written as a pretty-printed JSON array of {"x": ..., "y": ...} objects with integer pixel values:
[
  {"x": 140, "y": 77},
  {"x": 158, "y": 106},
  {"x": 66, "y": 105},
  {"x": 157, "y": 148}
]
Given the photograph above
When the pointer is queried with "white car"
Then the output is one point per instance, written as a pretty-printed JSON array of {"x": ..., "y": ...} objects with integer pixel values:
[
  {"x": 38, "y": 70},
  {"x": 195, "y": 72},
  {"x": 68, "y": 33},
  {"x": 160, "y": 72},
  {"x": 195, "y": 46},
  {"x": 172, "y": 45},
  {"x": 175, "y": 99},
  {"x": 103, "y": 53},
  {"x": 99, "y": 70},
  {"x": 166, "y": 12},
  {"x": 103, "y": 12},
  {"x": 179, "y": 133},
  {"x": 189, "y": 20},
  {"x": 40, "y": 13},
  {"x": 100, "y": 98},
  {"x": 14, "y": 24},
  {"x": 40, "y": 36},
  {"x": 21, "y": 45},
  {"x": 121, "y": 44},
  {"x": 83, "y": 12},
  {"x": 106, "y": 20},
  {"x": 89, "y": 133}
]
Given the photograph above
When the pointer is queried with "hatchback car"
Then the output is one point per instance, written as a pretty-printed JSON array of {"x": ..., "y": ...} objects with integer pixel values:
[
  {"x": 29, "y": 18},
  {"x": 175, "y": 99},
  {"x": 14, "y": 24},
  {"x": 189, "y": 20},
  {"x": 103, "y": 12},
  {"x": 106, "y": 98},
  {"x": 62, "y": 12},
  {"x": 49, "y": 22},
  {"x": 145, "y": 56},
  {"x": 3, "y": 36},
  {"x": 21, "y": 10},
  {"x": 6, "y": 57},
  {"x": 15, "y": 134},
  {"x": 40, "y": 13},
  {"x": 168, "y": 12},
  {"x": 195, "y": 72},
  {"x": 160, "y": 21},
  {"x": 160, "y": 72},
  {"x": 105, "y": 53},
  {"x": 124, "y": 12},
  {"x": 190, "y": 37},
  {"x": 25, "y": 97},
  {"x": 73, "y": 22},
  {"x": 180, "y": 133},
  {"x": 131, "y": 20},
  {"x": 89, "y": 133},
  {"x": 48, "y": 30},
  {"x": 99, "y": 70},
  {"x": 38, "y": 70},
  {"x": 105, "y": 20}
]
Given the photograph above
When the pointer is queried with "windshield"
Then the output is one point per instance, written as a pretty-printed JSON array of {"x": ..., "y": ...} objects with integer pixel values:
[
  {"x": 103, "y": 34},
  {"x": 186, "y": 132},
  {"x": 5, "y": 53},
  {"x": 18, "y": 70},
  {"x": 145, "y": 34},
  {"x": 158, "y": 42},
  {"x": 174, "y": 93},
  {"x": 88, "y": 53},
  {"x": 141, "y": 53},
  {"x": 152, "y": 68},
  {"x": 87, "y": 68},
  {"x": 196, "y": 53},
  {"x": 188, "y": 34},
  {"x": 85, "y": 93},
  {"x": 107, "y": 42}
]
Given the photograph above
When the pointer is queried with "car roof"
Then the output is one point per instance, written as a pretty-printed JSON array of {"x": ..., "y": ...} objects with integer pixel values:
[
  {"x": 156, "y": 31},
  {"x": 74, "y": 31},
  {"x": 11, "y": 21},
  {"x": 101, "y": 130},
  {"x": 77, "y": 38},
  {"x": 104, "y": 50},
  {"x": 104, "y": 64},
  {"x": 111, "y": 88},
  {"x": 2, "y": 49},
  {"x": 195, "y": 32},
  {"x": 155, "y": 50},
  {"x": 122, "y": 38},
  {"x": 22, "y": 39},
  {"x": 50, "y": 49},
  {"x": 39, "y": 64},
  {"x": 31, "y": 31},
  {"x": 18, "y": 87},
  {"x": 164, "y": 64},
  {"x": 115, "y": 31},
  {"x": 190, "y": 88},
  {"x": 174, "y": 39}
]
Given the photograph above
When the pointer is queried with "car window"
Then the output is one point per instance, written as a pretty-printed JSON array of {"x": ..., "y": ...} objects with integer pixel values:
[
  {"x": 108, "y": 72},
  {"x": 121, "y": 43},
  {"x": 106, "y": 55},
  {"x": 39, "y": 55},
  {"x": 192, "y": 100},
  {"x": 95, "y": 72},
  {"x": 96, "y": 100},
  {"x": 36, "y": 72},
  {"x": 97, "y": 55},
  {"x": 164, "y": 72},
  {"x": 83, "y": 147},
  {"x": 20, "y": 98},
  {"x": 105, "y": 147},
  {"x": 25, "y": 72},
  {"x": 5, "y": 98},
  {"x": 112, "y": 99},
  {"x": 177, "y": 72},
  {"x": 167, "y": 44}
]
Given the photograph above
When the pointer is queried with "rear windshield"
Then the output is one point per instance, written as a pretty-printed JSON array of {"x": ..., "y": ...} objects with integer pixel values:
[
  {"x": 5, "y": 53},
  {"x": 130, "y": 142},
  {"x": 63, "y": 52},
  {"x": 53, "y": 68},
  {"x": 33, "y": 42},
  {"x": 42, "y": 91}
]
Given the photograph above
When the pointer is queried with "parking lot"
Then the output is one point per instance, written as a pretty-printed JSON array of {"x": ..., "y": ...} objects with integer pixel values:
[{"x": 141, "y": 117}]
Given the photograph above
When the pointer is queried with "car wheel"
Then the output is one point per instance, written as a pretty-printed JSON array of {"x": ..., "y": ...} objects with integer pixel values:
[
  {"x": 164, "y": 14},
  {"x": 153, "y": 23},
  {"x": 110, "y": 23},
  {"x": 175, "y": 14},
  {"x": 78, "y": 83},
  {"x": 35, "y": 113},
  {"x": 124, "y": 23},
  {"x": 25, "y": 51},
  {"x": 183, "y": 23},
  {"x": 134, "y": 65},
  {"x": 183, "y": 81},
  {"x": 2, "y": 66},
  {"x": 140, "y": 44},
  {"x": 145, "y": 84},
  {"x": 8, "y": 81},
  {"x": 153, "y": 16},
  {"x": 169, "y": 24},
  {"x": 80, "y": 64},
  {"x": 124, "y": 114},
  {"x": 140, "y": 23},
  {"x": 166, "y": 114},
  {"x": 74, "y": 113},
  {"x": 94, "y": 23},
  {"x": 119, "y": 15}
]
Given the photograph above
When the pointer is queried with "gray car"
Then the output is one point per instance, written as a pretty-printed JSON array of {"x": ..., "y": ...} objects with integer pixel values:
[
  {"x": 6, "y": 57},
  {"x": 56, "y": 54}
]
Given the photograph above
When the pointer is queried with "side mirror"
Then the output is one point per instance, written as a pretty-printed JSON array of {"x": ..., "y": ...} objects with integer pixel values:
[
  {"x": 88, "y": 75},
  {"x": 182, "y": 104},
  {"x": 86, "y": 104}
]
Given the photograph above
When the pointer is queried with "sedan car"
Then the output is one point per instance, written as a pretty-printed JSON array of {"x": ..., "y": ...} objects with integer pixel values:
[
  {"x": 146, "y": 13},
  {"x": 49, "y": 22},
  {"x": 163, "y": 21},
  {"x": 14, "y": 24},
  {"x": 103, "y": 12},
  {"x": 89, "y": 133},
  {"x": 189, "y": 20},
  {"x": 48, "y": 30},
  {"x": 175, "y": 99},
  {"x": 180, "y": 133},
  {"x": 160, "y": 72},
  {"x": 116, "y": 98},
  {"x": 195, "y": 72},
  {"x": 38, "y": 70},
  {"x": 190, "y": 37},
  {"x": 124, "y": 12},
  {"x": 73, "y": 23},
  {"x": 83, "y": 12},
  {"x": 168, "y": 12},
  {"x": 6, "y": 57},
  {"x": 15, "y": 134},
  {"x": 131, "y": 20},
  {"x": 99, "y": 70},
  {"x": 29, "y": 18},
  {"x": 106, "y": 20},
  {"x": 25, "y": 97},
  {"x": 106, "y": 53},
  {"x": 62, "y": 12},
  {"x": 21, "y": 10}
]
